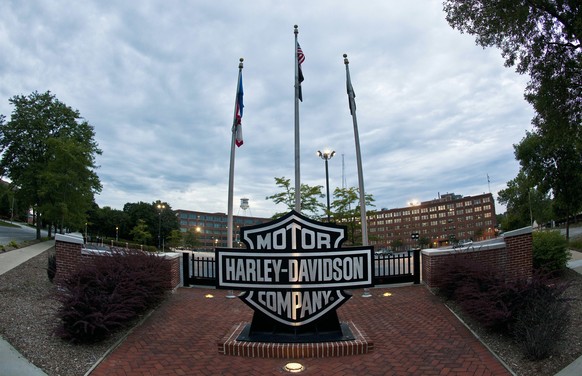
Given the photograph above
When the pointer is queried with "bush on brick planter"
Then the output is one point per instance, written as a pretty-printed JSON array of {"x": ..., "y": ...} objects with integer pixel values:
[{"x": 109, "y": 292}]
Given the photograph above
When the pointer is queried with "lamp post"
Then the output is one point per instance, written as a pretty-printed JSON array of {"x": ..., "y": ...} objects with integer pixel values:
[
  {"x": 160, "y": 208},
  {"x": 326, "y": 155},
  {"x": 116, "y": 233}
]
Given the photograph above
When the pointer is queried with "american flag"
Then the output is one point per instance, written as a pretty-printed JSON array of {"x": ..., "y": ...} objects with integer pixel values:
[
  {"x": 300, "y": 60},
  {"x": 239, "y": 113}
]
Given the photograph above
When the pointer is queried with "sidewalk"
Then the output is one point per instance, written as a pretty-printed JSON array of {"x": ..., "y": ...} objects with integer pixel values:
[{"x": 12, "y": 363}]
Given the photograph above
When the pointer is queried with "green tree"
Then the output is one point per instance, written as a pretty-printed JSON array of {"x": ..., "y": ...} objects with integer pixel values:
[
  {"x": 346, "y": 211},
  {"x": 190, "y": 238},
  {"x": 140, "y": 232},
  {"x": 159, "y": 220},
  {"x": 554, "y": 163},
  {"x": 542, "y": 39},
  {"x": 525, "y": 204},
  {"x": 174, "y": 239},
  {"x": 48, "y": 153},
  {"x": 310, "y": 196}
]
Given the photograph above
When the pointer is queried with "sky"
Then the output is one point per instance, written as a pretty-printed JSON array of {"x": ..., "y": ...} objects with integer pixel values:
[{"x": 157, "y": 80}]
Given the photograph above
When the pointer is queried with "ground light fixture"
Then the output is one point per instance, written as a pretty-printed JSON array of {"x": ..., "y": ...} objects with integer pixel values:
[
  {"x": 293, "y": 367},
  {"x": 386, "y": 294},
  {"x": 209, "y": 296}
]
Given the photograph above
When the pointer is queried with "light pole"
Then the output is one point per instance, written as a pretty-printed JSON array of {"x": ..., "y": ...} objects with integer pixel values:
[
  {"x": 326, "y": 155},
  {"x": 160, "y": 208},
  {"x": 116, "y": 233}
]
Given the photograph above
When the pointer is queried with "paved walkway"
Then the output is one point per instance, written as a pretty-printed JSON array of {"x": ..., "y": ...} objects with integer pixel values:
[
  {"x": 12, "y": 363},
  {"x": 412, "y": 331}
]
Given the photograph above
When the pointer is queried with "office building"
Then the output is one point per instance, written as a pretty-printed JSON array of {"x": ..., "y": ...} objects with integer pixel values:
[
  {"x": 211, "y": 227},
  {"x": 440, "y": 222}
]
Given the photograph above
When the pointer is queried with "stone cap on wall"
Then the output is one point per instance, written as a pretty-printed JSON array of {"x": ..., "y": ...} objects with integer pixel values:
[
  {"x": 519, "y": 231},
  {"x": 73, "y": 237},
  {"x": 475, "y": 247}
]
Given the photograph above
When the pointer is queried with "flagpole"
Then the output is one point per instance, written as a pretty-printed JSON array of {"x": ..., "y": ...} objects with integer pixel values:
[
  {"x": 351, "y": 98},
  {"x": 297, "y": 139},
  {"x": 352, "y": 103},
  {"x": 229, "y": 224}
]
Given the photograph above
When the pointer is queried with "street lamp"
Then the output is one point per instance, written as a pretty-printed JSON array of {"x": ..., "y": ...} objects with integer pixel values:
[
  {"x": 326, "y": 155},
  {"x": 160, "y": 208},
  {"x": 116, "y": 233}
]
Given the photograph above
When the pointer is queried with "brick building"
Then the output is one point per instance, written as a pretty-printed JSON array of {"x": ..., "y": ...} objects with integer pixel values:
[
  {"x": 211, "y": 227},
  {"x": 438, "y": 222}
]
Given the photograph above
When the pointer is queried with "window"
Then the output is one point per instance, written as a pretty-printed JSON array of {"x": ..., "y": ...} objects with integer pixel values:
[
  {"x": 467, "y": 203},
  {"x": 460, "y": 211},
  {"x": 441, "y": 207}
]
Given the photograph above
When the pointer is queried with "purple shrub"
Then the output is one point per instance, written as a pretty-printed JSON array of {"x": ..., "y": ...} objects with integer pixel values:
[{"x": 109, "y": 292}]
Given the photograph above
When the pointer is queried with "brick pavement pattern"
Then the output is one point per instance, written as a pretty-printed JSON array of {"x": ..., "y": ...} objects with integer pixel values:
[{"x": 412, "y": 331}]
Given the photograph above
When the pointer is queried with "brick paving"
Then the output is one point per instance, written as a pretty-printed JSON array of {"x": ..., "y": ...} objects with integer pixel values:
[{"x": 412, "y": 331}]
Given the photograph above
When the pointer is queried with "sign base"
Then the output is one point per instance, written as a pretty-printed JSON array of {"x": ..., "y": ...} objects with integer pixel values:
[
  {"x": 231, "y": 346},
  {"x": 325, "y": 329}
]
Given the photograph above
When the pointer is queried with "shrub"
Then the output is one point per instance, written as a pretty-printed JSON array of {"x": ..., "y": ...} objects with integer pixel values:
[
  {"x": 550, "y": 251},
  {"x": 110, "y": 292},
  {"x": 51, "y": 269},
  {"x": 533, "y": 311}
]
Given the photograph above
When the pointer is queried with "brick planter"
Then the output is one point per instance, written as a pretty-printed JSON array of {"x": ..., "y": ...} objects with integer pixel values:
[{"x": 511, "y": 256}]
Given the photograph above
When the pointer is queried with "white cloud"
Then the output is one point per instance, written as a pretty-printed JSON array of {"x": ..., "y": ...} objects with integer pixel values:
[{"x": 157, "y": 80}]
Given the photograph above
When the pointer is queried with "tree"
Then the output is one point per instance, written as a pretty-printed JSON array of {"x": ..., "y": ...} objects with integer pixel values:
[
  {"x": 525, "y": 203},
  {"x": 175, "y": 239},
  {"x": 140, "y": 232},
  {"x": 190, "y": 238},
  {"x": 543, "y": 39},
  {"x": 555, "y": 164},
  {"x": 310, "y": 196},
  {"x": 48, "y": 153},
  {"x": 346, "y": 211}
]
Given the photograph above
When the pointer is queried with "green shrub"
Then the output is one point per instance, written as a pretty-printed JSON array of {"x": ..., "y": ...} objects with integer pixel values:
[
  {"x": 550, "y": 251},
  {"x": 13, "y": 244},
  {"x": 108, "y": 293}
]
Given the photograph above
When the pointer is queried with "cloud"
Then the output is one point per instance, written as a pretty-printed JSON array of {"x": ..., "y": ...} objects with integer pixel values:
[{"x": 157, "y": 81}]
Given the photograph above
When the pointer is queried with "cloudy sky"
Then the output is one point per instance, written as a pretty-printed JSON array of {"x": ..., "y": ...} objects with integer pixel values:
[{"x": 157, "y": 80}]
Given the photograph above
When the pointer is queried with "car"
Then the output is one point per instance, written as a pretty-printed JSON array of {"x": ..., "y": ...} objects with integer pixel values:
[{"x": 383, "y": 252}]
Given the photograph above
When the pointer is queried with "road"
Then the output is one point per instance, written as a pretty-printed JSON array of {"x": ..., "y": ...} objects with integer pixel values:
[{"x": 18, "y": 234}]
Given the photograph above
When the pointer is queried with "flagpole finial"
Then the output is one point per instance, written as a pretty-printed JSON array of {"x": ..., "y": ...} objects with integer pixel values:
[
  {"x": 296, "y": 29},
  {"x": 346, "y": 59},
  {"x": 240, "y": 65}
]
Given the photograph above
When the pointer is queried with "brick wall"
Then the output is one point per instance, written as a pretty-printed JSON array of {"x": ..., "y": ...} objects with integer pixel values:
[
  {"x": 71, "y": 255},
  {"x": 511, "y": 256}
]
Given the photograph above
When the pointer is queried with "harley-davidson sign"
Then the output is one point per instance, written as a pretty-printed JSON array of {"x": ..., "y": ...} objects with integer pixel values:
[{"x": 294, "y": 269}]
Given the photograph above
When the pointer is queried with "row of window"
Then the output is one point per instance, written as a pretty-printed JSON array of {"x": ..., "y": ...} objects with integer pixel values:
[{"x": 439, "y": 208}]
